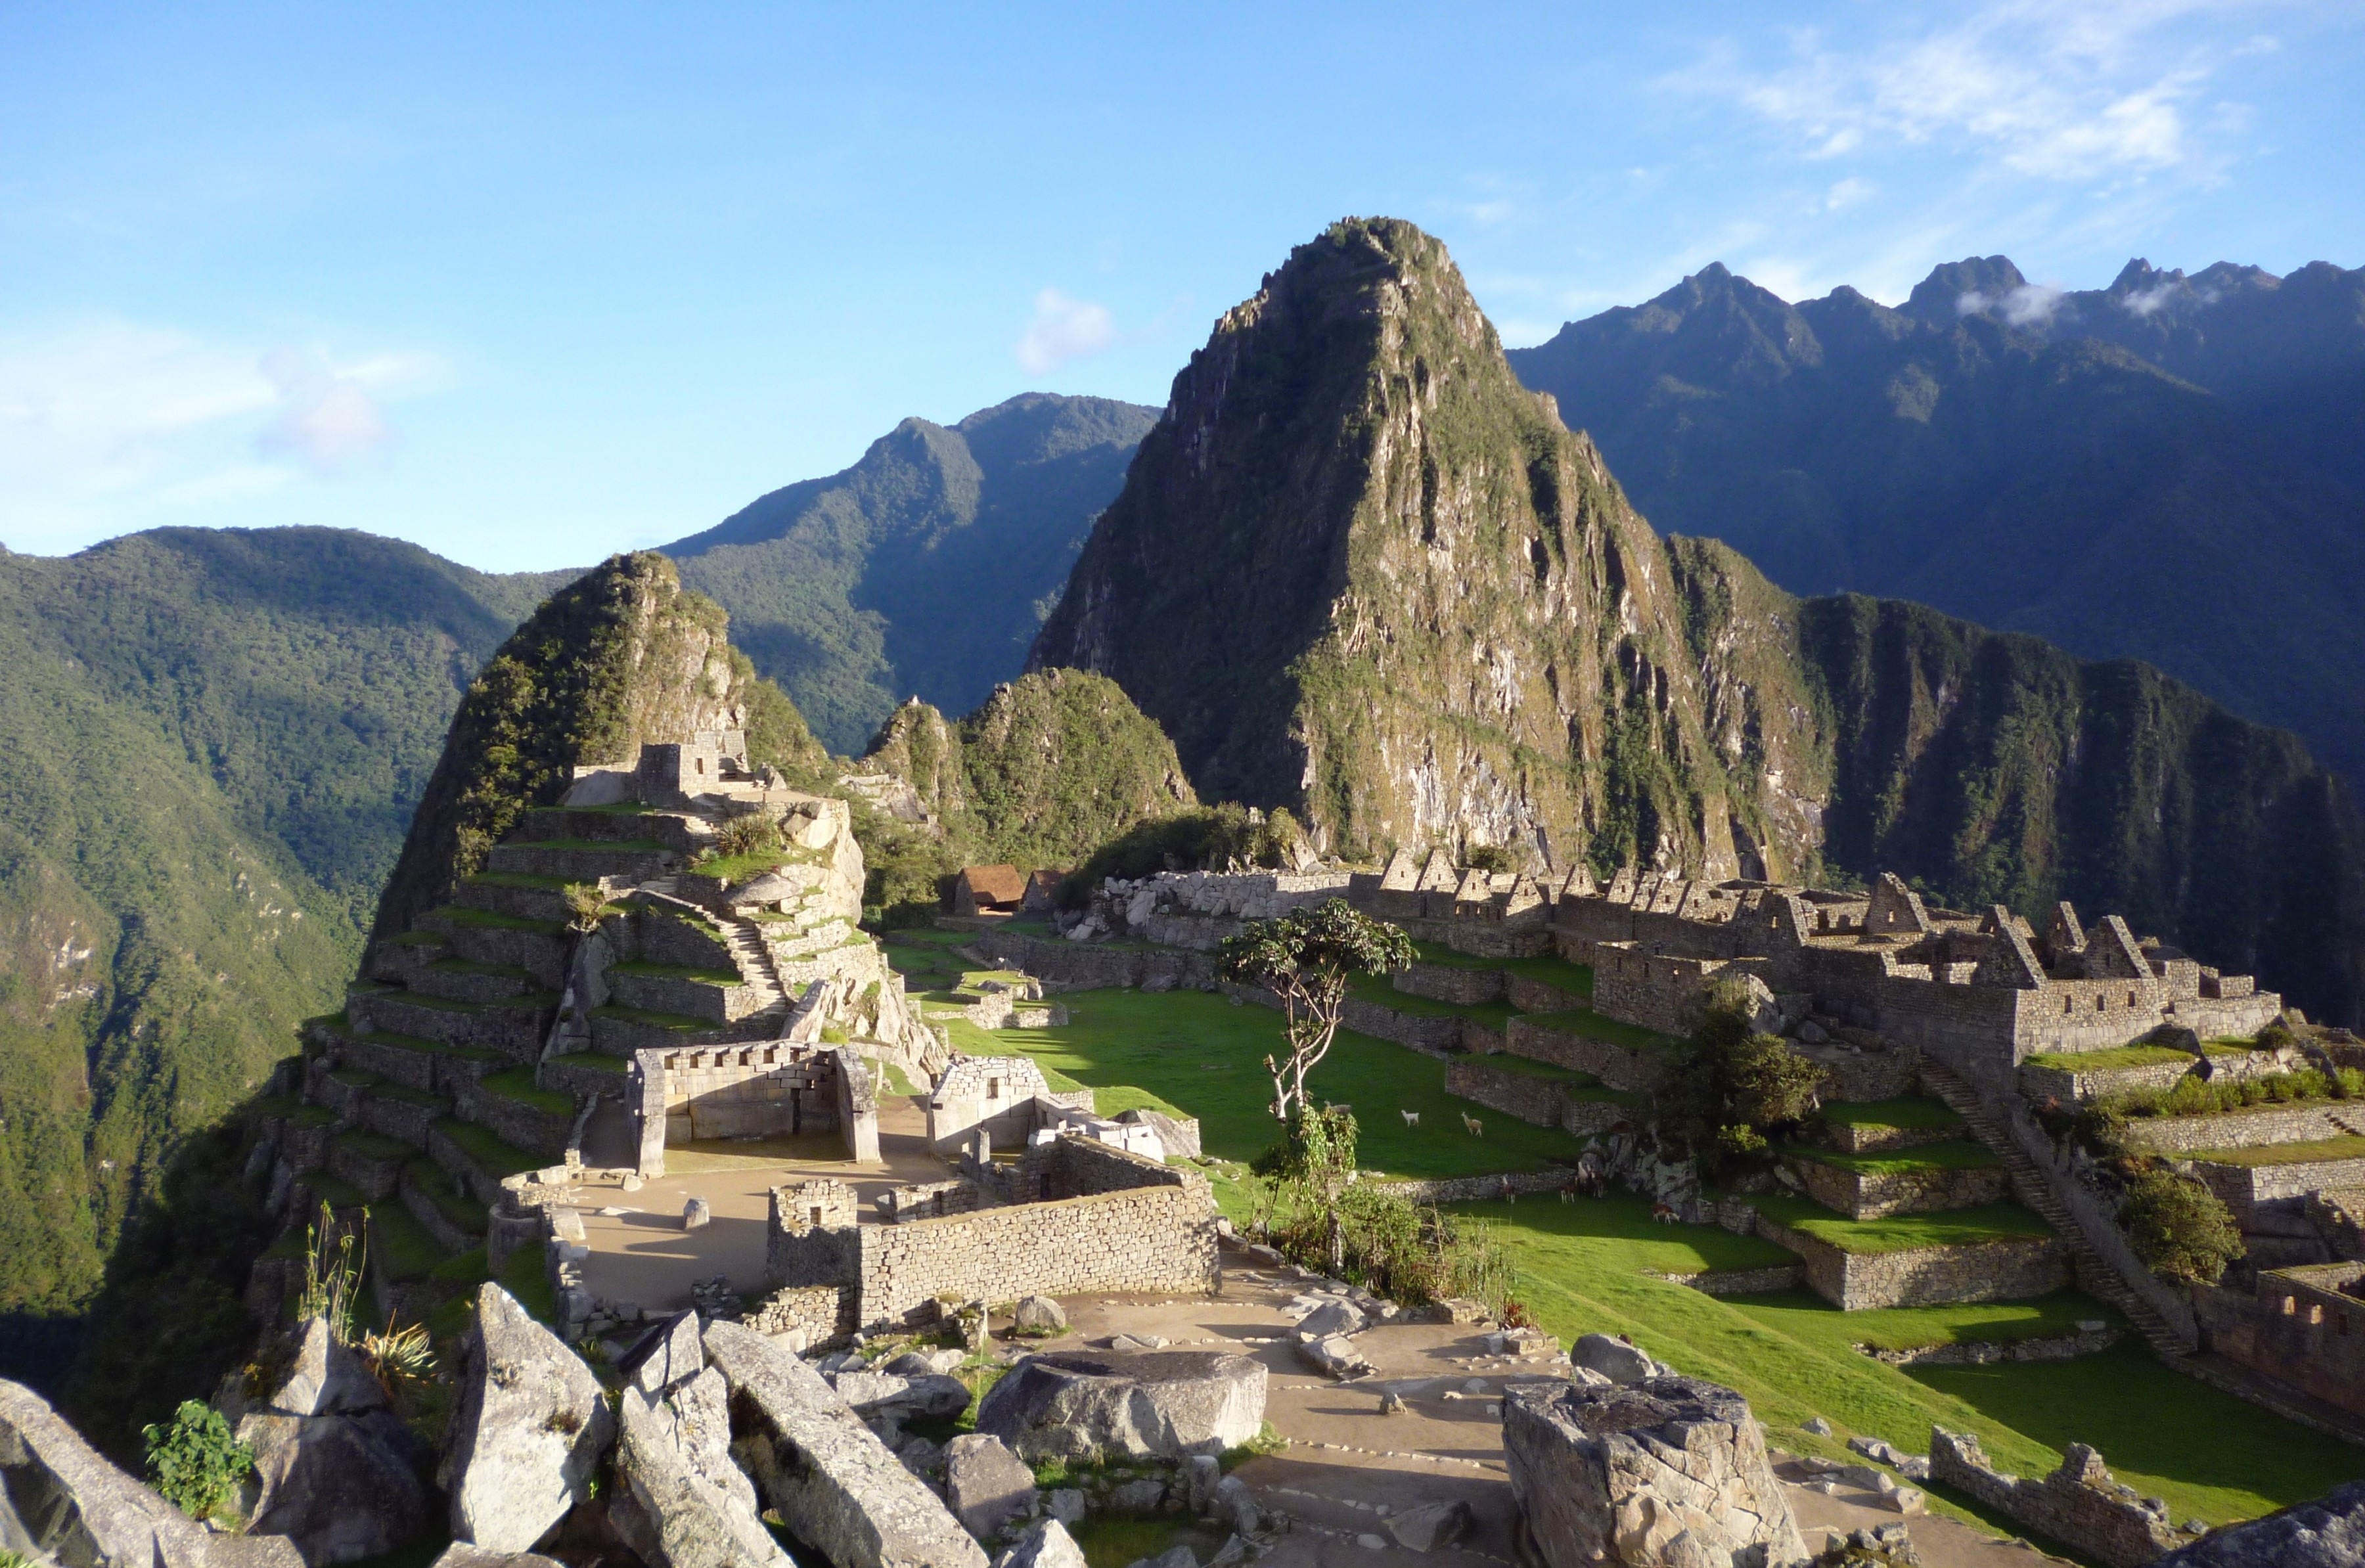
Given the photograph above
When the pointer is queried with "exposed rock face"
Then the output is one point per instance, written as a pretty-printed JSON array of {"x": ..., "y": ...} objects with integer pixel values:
[
  {"x": 836, "y": 1486},
  {"x": 1666, "y": 1473},
  {"x": 985, "y": 1484},
  {"x": 2327, "y": 1533},
  {"x": 59, "y": 1499},
  {"x": 1357, "y": 571},
  {"x": 341, "y": 1486},
  {"x": 1038, "y": 1313},
  {"x": 528, "y": 1434},
  {"x": 1046, "y": 1545},
  {"x": 686, "y": 1504},
  {"x": 1160, "y": 1404},
  {"x": 1612, "y": 1358}
]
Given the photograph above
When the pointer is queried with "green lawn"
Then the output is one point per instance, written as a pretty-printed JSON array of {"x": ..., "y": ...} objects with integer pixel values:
[
  {"x": 485, "y": 1147},
  {"x": 2284, "y": 1153},
  {"x": 518, "y": 1084},
  {"x": 1376, "y": 991},
  {"x": 1909, "y": 1111},
  {"x": 1898, "y": 1233},
  {"x": 1196, "y": 1050},
  {"x": 2102, "y": 1061},
  {"x": 1550, "y": 970},
  {"x": 1956, "y": 1154},
  {"x": 485, "y": 919},
  {"x": 402, "y": 1247},
  {"x": 1585, "y": 1268}
]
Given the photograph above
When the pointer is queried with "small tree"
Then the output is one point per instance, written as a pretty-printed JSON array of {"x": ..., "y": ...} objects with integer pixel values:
[
  {"x": 1733, "y": 1087},
  {"x": 2179, "y": 1228},
  {"x": 1306, "y": 957}
]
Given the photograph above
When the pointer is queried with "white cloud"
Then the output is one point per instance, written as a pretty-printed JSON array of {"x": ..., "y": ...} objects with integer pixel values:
[
  {"x": 2030, "y": 304},
  {"x": 1848, "y": 192},
  {"x": 107, "y": 420},
  {"x": 2069, "y": 93},
  {"x": 1064, "y": 329},
  {"x": 326, "y": 419}
]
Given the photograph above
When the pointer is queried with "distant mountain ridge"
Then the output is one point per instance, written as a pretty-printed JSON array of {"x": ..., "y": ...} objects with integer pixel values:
[
  {"x": 923, "y": 570},
  {"x": 1358, "y": 572},
  {"x": 2171, "y": 469}
]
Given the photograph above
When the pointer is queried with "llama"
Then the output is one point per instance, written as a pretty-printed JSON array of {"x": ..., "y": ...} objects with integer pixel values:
[
  {"x": 1662, "y": 1212},
  {"x": 1412, "y": 1118},
  {"x": 1472, "y": 1125}
]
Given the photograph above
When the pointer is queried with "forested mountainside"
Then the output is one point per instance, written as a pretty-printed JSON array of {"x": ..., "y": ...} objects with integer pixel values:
[
  {"x": 924, "y": 569},
  {"x": 1357, "y": 571},
  {"x": 1049, "y": 768},
  {"x": 2171, "y": 469},
  {"x": 214, "y": 742}
]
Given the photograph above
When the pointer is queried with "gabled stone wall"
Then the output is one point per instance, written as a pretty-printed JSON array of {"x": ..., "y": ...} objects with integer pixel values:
[
  {"x": 2299, "y": 1327},
  {"x": 2078, "y": 1505}
]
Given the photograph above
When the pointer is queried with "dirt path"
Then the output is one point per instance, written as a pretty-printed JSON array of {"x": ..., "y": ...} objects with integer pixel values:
[{"x": 1348, "y": 1465}]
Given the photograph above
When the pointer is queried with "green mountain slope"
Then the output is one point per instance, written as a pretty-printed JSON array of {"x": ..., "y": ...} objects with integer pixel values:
[
  {"x": 2171, "y": 469},
  {"x": 926, "y": 567},
  {"x": 1357, "y": 571},
  {"x": 214, "y": 743},
  {"x": 1049, "y": 768}
]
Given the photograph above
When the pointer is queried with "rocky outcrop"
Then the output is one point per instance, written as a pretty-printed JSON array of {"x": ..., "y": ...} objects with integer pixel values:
[
  {"x": 336, "y": 1472},
  {"x": 835, "y": 1485},
  {"x": 59, "y": 1499},
  {"x": 683, "y": 1503},
  {"x": 1154, "y": 1404},
  {"x": 2327, "y": 1533},
  {"x": 1044, "y": 1545},
  {"x": 527, "y": 1436},
  {"x": 1668, "y": 1473}
]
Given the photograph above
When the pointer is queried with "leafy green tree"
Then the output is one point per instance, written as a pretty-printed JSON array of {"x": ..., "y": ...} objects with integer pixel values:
[
  {"x": 2179, "y": 1228},
  {"x": 1734, "y": 1088},
  {"x": 1306, "y": 957},
  {"x": 196, "y": 1462}
]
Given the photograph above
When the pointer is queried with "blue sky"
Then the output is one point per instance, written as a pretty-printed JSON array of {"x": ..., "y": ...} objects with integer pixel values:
[{"x": 528, "y": 285}]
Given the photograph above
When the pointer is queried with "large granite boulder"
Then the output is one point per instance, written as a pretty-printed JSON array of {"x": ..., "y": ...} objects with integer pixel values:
[
  {"x": 336, "y": 1472},
  {"x": 1044, "y": 1545},
  {"x": 1149, "y": 1404},
  {"x": 2327, "y": 1533},
  {"x": 986, "y": 1485},
  {"x": 682, "y": 1502},
  {"x": 1667, "y": 1472},
  {"x": 837, "y": 1487},
  {"x": 59, "y": 1499},
  {"x": 929, "y": 1395},
  {"x": 529, "y": 1433}
]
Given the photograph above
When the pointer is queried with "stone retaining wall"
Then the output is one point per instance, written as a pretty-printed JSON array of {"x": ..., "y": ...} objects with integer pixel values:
[
  {"x": 2078, "y": 1505},
  {"x": 2245, "y": 1187},
  {"x": 1450, "y": 982},
  {"x": 515, "y": 1123},
  {"x": 1542, "y": 1101},
  {"x": 823, "y": 1315},
  {"x": 1619, "y": 1067},
  {"x": 1923, "y": 1276},
  {"x": 1475, "y": 1189},
  {"x": 1743, "y": 1282},
  {"x": 2251, "y": 1128},
  {"x": 2043, "y": 1083},
  {"x": 1868, "y": 1140},
  {"x": 1539, "y": 996},
  {"x": 1086, "y": 966},
  {"x": 1864, "y": 1194},
  {"x": 1430, "y": 1036}
]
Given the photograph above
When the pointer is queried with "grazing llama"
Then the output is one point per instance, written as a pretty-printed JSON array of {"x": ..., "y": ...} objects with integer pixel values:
[
  {"x": 1472, "y": 1125},
  {"x": 1661, "y": 1214}
]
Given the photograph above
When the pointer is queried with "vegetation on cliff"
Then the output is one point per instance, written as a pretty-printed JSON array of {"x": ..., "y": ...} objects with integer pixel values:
[
  {"x": 1052, "y": 766},
  {"x": 1358, "y": 572}
]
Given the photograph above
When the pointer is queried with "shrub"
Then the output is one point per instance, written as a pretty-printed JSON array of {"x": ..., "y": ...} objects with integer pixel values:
[
  {"x": 194, "y": 1463},
  {"x": 2178, "y": 1228},
  {"x": 750, "y": 834},
  {"x": 585, "y": 907},
  {"x": 1204, "y": 838},
  {"x": 1733, "y": 1091},
  {"x": 1489, "y": 858}
]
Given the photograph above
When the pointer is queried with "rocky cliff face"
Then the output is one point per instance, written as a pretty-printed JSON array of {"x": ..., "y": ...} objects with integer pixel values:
[
  {"x": 620, "y": 656},
  {"x": 1357, "y": 571}
]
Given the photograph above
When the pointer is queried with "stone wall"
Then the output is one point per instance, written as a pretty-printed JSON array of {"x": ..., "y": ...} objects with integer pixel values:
[
  {"x": 2043, "y": 1083},
  {"x": 1655, "y": 991},
  {"x": 1086, "y": 966},
  {"x": 2298, "y": 1327},
  {"x": 2246, "y": 1187},
  {"x": 521, "y": 1125},
  {"x": 1449, "y": 982},
  {"x": 1539, "y": 996},
  {"x": 1865, "y": 1195},
  {"x": 2078, "y": 1505},
  {"x": 746, "y": 1091},
  {"x": 1542, "y": 1102},
  {"x": 2251, "y": 1128},
  {"x": 1619, "y": 1067},
  {"x": 823, "y": 1315},
  {"x": 1923, "y": 1276},
  {"x": 1430, "y": 1036},
  {"x": 1475, "y": 1189}
]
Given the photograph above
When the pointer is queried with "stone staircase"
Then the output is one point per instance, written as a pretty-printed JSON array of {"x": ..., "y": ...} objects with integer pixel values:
[
  {"x": 749, "y": 952},
  {"x": 2034, "y": 1186}
]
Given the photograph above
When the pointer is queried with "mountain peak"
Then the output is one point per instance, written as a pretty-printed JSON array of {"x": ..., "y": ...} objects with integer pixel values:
[{"x": 1947, "y": 293}]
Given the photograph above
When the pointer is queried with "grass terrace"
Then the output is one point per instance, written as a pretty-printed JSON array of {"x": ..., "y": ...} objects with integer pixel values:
[
  {"x": 1197, "y": 1051},
  {"x": 486, "y": 920},
  {"x": 1593, "y": 1026},
  {"x": 1902, "y": 1233},
  {"x": 1908, "y": 1113},
  {"x": 485, "y": 1147},
  {"x": 1375, "y": 989},
  {"x": 436, "y": 1186},
  {"x": 334, "y": 1190},
  {"x": 531, "y": 879},
  {"x": 2285, "y": 1153},
  {"x": 598, "y": 1061},
  {"x": 518, "y": 1084},
  {"x": 1548, "y": 969},
  {"x": 676, "y": 1021},
  {"x": 1956, "y": 1154},
  {"x": 399, "y": 1245},
  {"x": 677, "y": 971},
  {"x": 1587, "y": 1266}
]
